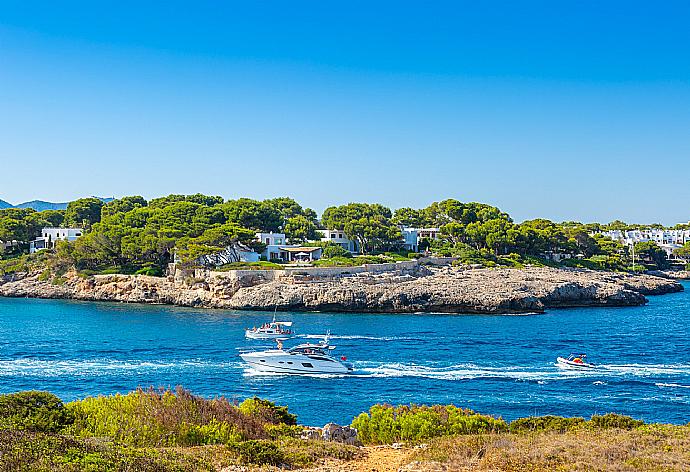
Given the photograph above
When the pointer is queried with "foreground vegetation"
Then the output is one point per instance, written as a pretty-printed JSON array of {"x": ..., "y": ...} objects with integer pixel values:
[
  {"x": 151, "y": 430},
  {"x": 133, "y": 235},
  {"x": 161, "y": 430}
]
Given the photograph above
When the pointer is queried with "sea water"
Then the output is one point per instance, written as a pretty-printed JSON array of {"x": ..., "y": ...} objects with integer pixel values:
[{"x": 500, "y": 365}]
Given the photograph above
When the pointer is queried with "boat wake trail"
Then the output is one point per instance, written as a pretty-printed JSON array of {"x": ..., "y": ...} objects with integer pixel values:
[
  {"x": 94, "y": 367},
  {"x": 527, "y": 373},
  {"x": 369, "y": 338}
]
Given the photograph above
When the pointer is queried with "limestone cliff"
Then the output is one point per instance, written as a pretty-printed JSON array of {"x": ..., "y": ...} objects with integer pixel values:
[{"x": 391, "y": 288}]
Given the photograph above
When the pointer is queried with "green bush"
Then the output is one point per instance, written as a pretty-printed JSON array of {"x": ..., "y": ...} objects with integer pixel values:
[
  {"x": 546, "y": 423},
  {"x": 280, "y": 431},
  {"x": 32, "y": 451},
  {"x": 336, "y": 261},
  {"x": 152, "y": 270},
  {"x": 34, "y": 411},
  {"x": 335, "y": 250},
  {"x": 164, "y": 418},
  {"x": 613, "y": 420},
  {"x": 259, "y": 452},
  {"x": 260, "y": 265},
  {"x": 267, "y": 411},
  {"x": 385, "y": 424}
]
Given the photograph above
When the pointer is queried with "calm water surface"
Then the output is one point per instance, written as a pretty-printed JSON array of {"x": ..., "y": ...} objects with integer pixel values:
[{"x": 502, "y": 365}]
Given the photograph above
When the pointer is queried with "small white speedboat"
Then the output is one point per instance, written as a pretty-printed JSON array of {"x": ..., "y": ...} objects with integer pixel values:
[
  {"x": 575, "y": 361},
  {"x": 302, "y": 359},
  {"x": 273, "y": 330}
]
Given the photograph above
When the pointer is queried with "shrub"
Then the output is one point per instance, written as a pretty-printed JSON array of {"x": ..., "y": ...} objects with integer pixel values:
[
  {"x": 613, "y": 420},
  {"x": 164, "y": 418},
  {"x": 336, "y": 261},
  {"x": 267, "y": 411},
  {"x": 546, "y": 423},
  {"x": 260, "y": 265},
  {"x": 34, "y": 411},
  {"x": 278, "y": 431},
  {"x": 335, "y": 250},
  {"x": 259, "y": 452},
  {"x": 385, "y": 424},
  {"x": 32, "y": 451},
  {"x": 152, "y": 270}
]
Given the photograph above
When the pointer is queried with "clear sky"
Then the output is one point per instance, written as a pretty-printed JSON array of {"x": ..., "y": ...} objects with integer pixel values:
[{"x": 565, "y": 110}]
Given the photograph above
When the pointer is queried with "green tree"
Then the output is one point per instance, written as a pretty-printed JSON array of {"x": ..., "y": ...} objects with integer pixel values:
[
  {"x": 213, "y": 240},
  {"x": 650, "y": 252},
  {"x": 83, "y": 212},
  {"x": 121, "y": 206},
  {"x": 407, "y": 217},
  {"x": 683, "y": 252},
  {"x": 260, "y": 216},
  {"x": 300, "y": 229},
  {"x": 368, "y": 223}
]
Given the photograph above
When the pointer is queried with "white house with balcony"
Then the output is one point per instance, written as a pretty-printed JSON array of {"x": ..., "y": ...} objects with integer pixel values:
[
  {"x": 50, "y": 236},
  {"x": 277, "y": 249},
  {"x": 413, "y": 236},
  {"x": 338, "y": 236}
]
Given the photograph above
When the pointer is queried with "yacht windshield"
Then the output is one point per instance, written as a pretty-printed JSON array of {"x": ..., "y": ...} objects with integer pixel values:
[{"x": 308, "y": 350}]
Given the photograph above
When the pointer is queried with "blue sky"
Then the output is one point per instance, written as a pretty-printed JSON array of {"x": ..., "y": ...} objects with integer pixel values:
[{"x": 565, "y": 110}]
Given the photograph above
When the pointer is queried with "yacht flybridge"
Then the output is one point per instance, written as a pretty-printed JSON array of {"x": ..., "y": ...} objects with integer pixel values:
[
  {"x": 302, "y": 359},
  {"x": 273, "y": 330}
]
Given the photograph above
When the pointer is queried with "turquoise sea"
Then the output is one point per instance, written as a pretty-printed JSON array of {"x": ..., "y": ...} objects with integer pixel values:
[{"x": 502, "y": 365}]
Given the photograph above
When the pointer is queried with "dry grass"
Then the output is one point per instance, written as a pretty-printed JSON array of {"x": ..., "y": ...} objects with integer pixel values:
[{"x": 651, "y": 448}]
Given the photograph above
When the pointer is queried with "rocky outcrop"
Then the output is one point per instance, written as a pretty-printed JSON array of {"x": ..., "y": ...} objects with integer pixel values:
[
  {"x": 410, "y": 289},
  {"x": 332, "y": 432},
  {"x": 674, "y": 274}
]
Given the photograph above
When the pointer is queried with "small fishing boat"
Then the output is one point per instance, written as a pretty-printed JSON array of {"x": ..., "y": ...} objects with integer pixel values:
[
  {"x": 305, "y": 358},
  {"x": 576, "y": 361},
  {"x": 273, "y": 330}
]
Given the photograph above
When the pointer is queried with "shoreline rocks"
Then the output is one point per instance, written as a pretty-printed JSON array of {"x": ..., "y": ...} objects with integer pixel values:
[{"x": 424, "y": 289}]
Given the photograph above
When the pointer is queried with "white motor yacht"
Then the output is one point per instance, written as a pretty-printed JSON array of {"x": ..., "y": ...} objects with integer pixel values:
[
  {"x": 576, "y": 361},
  {"x": 273, "y": 330},
  {"x": 302, "y": 359}
]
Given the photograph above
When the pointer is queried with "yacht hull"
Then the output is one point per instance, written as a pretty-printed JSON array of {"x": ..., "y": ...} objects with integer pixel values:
[
  {"x": 254, "y": 335},
  {"x": 563, "y": 362},
  {"x": 283, "y": 363}
]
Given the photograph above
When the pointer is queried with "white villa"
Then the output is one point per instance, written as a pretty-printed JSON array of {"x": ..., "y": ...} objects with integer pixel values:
[
  {"x": 668, "y": 239},
  {"x": 49, "y": 236},
  {"x": 413, "y": 236},
  {"x": 278, "y": 249},
  {"x": 338, "y": 236}
]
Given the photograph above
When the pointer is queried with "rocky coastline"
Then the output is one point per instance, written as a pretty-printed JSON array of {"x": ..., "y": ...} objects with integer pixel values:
[{"x": 395, "y": 288}]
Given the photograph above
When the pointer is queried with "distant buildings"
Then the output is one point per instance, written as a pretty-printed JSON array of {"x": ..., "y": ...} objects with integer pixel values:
[
  {"x": 278, "y": 250},
  {"x": 50, "y": 236},
  {"x": 667, "y": 239},
  {"x": 338, "y": 236},
  {"x": 413, "y": 236}
]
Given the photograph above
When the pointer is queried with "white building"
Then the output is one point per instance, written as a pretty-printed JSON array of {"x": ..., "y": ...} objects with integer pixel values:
[
  {"x": 271, "y": 239},
  {"x": 49, "y": 236},
  {"x": 668, "y": 239},
  {"x": 338, "y": 236},
  {"x": 413, "y": 236},
  {"x": 278, "y": 250}
]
